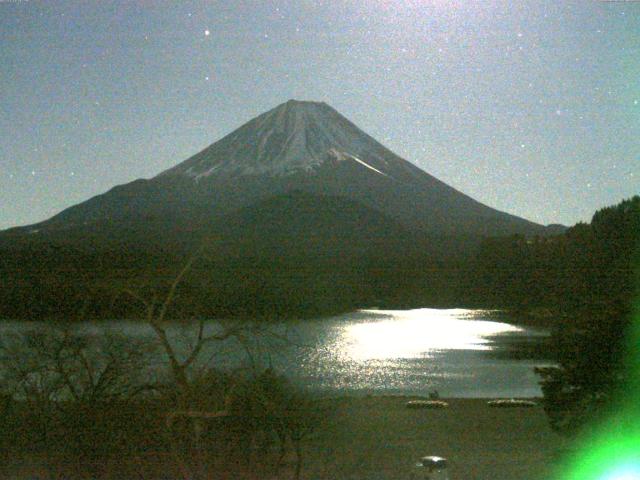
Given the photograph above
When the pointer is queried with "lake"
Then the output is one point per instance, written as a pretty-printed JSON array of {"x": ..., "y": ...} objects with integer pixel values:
[{"x": 458, "y": 352}]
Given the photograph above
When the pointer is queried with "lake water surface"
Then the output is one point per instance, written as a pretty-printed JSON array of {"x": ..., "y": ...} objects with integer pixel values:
[{"x": 459, "y": 353}]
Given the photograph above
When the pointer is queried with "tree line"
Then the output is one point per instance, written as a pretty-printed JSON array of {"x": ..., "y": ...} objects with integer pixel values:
[{"x": 587, "y": 278}]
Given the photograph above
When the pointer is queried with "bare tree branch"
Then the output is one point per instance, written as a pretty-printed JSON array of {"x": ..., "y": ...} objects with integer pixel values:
[{"x": 174, "y": 286}]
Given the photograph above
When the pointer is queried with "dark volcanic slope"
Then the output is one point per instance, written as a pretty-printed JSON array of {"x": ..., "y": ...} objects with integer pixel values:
[
  {"x": 299, "y": 224},
  {"x": 302, "y": 146}
]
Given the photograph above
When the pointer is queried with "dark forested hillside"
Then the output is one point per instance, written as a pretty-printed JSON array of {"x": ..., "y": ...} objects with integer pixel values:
[
  {"x": 296, "y": 254},
  {"x": 301, "y": 254},
  {"x": 588, "y": 277},
  {"x": 588, "y": 268}
]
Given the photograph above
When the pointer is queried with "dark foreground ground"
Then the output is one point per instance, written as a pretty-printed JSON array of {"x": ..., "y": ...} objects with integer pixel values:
[{"x": 377, "y": 438}]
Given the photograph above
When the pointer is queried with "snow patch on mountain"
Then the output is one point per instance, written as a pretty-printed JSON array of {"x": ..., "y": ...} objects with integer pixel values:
[{"x": 342, "y": 156}]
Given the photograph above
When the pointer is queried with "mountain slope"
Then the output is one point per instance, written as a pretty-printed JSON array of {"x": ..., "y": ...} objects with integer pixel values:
[
  {"x": 299, "y": 224},
  {"x": 304, "y": 146}
]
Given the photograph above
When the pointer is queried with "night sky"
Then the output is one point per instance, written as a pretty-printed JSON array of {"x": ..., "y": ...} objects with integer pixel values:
[{"x": 530, "y": 107}]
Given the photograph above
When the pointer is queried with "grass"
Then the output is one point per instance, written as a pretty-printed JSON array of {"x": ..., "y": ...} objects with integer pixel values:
[{"x": 380, "y": 438}]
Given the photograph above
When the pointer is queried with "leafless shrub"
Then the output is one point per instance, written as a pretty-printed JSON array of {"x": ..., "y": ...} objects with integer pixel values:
[
  {"x": 67, "y": 390},
  {"x": 277, "y": 415}
]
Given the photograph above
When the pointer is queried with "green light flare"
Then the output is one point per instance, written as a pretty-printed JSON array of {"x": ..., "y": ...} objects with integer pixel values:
[
  {"x": 611, "y": 454},
  {"x": 611, "y": 451}
]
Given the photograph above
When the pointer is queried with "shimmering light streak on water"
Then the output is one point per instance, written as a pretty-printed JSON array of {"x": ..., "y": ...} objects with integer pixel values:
[{"x": 416, "y": 333}]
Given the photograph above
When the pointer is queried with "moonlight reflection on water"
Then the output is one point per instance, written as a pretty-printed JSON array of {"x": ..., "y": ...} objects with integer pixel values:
[
  {"x": 417, "y": 333},
  {"x": 416, "y": 351}
]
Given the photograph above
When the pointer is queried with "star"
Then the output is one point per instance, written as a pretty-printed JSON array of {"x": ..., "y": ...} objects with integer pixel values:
[
  {"x": 207, "y": 33},
  {"x": 206, "y": 78}
]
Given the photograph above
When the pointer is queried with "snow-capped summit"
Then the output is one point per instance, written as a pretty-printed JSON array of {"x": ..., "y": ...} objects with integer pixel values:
[{"x": 296, "y": 136}]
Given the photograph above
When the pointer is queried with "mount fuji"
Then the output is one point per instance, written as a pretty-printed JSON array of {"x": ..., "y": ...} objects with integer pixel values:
[
  {"x": 297, "y": 212},
  {"x": 299, "y": 146}
]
